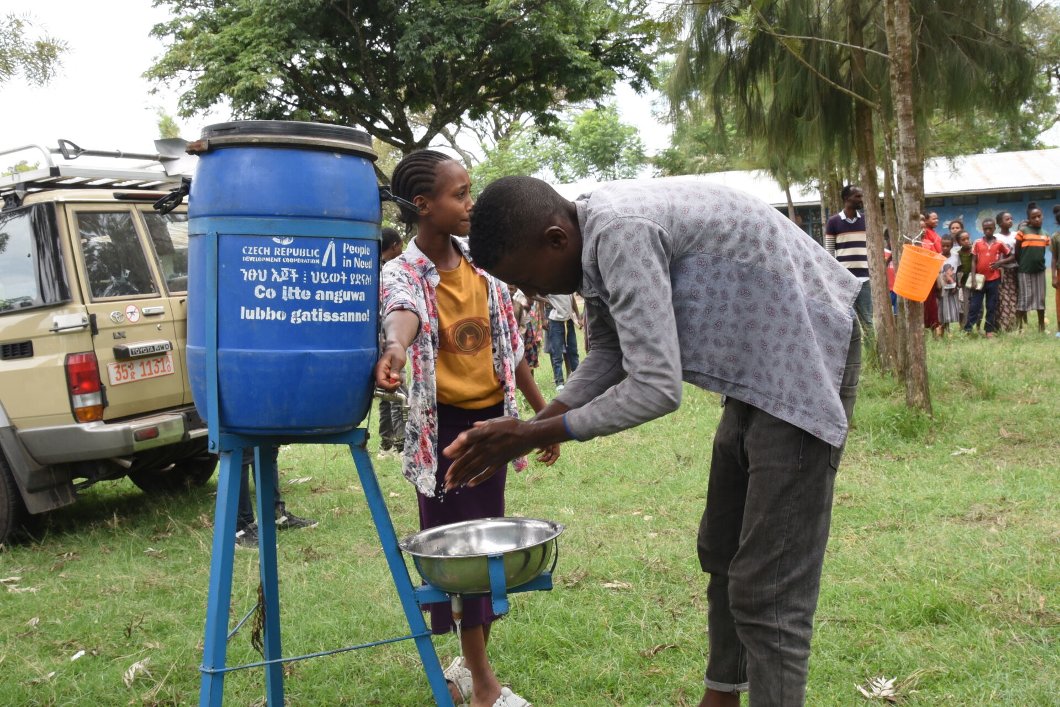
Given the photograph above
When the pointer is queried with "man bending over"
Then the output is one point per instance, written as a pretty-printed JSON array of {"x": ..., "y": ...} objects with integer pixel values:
[{"x": 689, "y": 281}]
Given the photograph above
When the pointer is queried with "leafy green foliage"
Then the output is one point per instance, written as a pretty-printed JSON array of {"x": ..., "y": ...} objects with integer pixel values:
[
  {"x": 36, "y": 58},
  {"x": 594, "y": 143},
  {"x": 402, "y": 69},
  {"x": 524, "y": 154},
  {"x": 387, "y": 157},
  {"x": 20, "y": 166},
  {"x": 787, "y": 73},
  {"x": 979, "y": 130},
  {"x": 598, "y": 146},
  {"x": 167, "y": 125}
]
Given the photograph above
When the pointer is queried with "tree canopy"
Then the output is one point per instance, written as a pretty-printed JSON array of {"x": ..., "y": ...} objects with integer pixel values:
[
  {"x": 36, "y": 57},
  {"x": 789, "y": 73},
  {"x": 526, "y": 154},
  {"x": 593, "y": 143},
  {"x": 599, "y": 146},
  {"x": 403, "y": 70}
]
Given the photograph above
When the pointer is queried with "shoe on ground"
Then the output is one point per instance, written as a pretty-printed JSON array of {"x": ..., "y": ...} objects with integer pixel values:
[
  {"x": 559, "y": 387},
  {"x": 289, "y": 521},
  {"x": 247, "y": 537},
  {"x": 460, "y": 676},
  {"x": 510, "y": 699}
]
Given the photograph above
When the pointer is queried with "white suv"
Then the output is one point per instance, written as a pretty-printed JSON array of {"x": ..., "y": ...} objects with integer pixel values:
[{"x": 93, "y": 383}]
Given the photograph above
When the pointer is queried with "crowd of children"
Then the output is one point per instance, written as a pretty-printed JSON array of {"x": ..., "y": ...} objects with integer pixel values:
[{"x": 995, "y": 283}]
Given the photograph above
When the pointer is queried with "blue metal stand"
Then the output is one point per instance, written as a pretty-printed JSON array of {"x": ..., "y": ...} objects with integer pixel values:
[
  {"x": 213, "y": 669},
  {"x": 428, "y": 594}
]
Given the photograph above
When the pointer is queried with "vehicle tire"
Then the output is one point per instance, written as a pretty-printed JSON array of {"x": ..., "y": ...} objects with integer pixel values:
[
  {"x": 12, "y": 511},
  {"x": 182, "y": 476}
]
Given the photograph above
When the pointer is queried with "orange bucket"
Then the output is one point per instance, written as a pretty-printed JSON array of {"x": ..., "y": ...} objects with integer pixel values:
[{"x": 917, "y": 272}]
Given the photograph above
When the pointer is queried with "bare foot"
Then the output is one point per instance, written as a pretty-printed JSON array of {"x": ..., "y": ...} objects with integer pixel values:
[{"x": 486, "y": 696}]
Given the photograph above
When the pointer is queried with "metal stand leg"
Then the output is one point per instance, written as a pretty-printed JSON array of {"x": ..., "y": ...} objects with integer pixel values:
[
  {"x": 265, "y": 490},
  {"x": 211, "y": 688},
  {"x": 385, "y": 527},
  {"x": 498, "y": 584}
]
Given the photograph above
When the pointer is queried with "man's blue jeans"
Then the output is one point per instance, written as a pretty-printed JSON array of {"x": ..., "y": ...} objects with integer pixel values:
[
  {"x": 562, "y": 345},
  {"x": 975, "y": 306},
  {"x": 762, "y": 539}
]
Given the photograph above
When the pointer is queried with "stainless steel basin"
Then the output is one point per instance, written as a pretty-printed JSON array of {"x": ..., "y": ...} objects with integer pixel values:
[{"x": 453, "y": 557}]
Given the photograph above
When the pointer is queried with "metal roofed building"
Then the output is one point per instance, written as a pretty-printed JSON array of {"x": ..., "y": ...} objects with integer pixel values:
[{"x": 970, "y": 188}]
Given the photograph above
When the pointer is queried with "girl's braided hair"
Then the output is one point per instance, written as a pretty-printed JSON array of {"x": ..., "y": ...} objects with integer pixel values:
[{"x": 414, "y": 176}]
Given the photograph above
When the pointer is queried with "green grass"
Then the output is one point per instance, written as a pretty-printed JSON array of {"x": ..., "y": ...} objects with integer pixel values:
[{"x": 942, "y": 569}]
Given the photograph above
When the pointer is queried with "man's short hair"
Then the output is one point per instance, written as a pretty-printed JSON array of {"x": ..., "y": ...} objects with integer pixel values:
[
  {"x": 848, "y": 190},
  {"x": 390, "y": 238},
  {"x": 508, "y": 213}
]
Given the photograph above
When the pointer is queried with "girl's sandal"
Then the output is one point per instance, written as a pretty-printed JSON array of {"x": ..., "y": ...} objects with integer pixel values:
[
  {"x": 510, "y": 699},
  {"x": 460, "y": 677}
]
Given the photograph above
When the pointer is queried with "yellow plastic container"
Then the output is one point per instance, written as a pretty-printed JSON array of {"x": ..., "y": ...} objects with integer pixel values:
[{"x": 917, "y": 272}]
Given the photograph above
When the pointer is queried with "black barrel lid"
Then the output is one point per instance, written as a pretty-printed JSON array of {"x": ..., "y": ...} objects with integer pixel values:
[{"x": 286, "y": 133}]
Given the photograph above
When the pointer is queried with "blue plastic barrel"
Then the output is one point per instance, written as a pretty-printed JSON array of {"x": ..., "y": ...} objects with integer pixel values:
[{"x": 292, "y": 212}]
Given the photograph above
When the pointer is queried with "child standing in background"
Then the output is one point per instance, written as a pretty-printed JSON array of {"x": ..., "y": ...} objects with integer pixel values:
[
  {"x": 1008, "y": 286},
  {"x": 1031, "y": 242},
  {"x": 391, "y": 412},
  {"x": 964, "y": 254},
  {"x": 949, "y": 305},
  {"x": 1054, "y": 248},
  {"x": 527, "y": 313},
  {"x": 988, "y": 256},
  {"x": 930, "y": 239}
]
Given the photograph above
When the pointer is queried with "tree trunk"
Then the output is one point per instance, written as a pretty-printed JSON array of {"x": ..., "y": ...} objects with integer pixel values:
[
  {"x": 911, "y": 187},
  {"x": 891, "y": 216},
  {"x": 791, "y": 204},
  {"x": 835, "y": 189},
  {"x": 865, "y": 148},
  {"x": 882, "y": 320},
  {"x": 890, "y": 208}
]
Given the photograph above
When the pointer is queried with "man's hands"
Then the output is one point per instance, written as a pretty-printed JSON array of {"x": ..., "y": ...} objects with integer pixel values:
[{"x": 480, "y": 452}]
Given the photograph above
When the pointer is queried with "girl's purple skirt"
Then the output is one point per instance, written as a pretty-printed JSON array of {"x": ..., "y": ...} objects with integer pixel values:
[{"x": 483, "y": 501}]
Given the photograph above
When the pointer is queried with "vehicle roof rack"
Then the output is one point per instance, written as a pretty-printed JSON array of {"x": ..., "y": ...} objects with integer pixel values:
[{"x": 160, "y": 171}]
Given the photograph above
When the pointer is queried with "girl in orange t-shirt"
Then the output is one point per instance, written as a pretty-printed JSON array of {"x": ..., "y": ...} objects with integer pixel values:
[{"x": 456, "y": 325}]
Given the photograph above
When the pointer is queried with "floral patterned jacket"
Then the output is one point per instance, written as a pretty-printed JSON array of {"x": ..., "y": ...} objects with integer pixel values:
[{"x": 407, "y": 283}]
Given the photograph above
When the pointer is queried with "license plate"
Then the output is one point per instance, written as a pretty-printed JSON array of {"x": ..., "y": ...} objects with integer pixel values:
[{"x": 140, "y": 369}]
